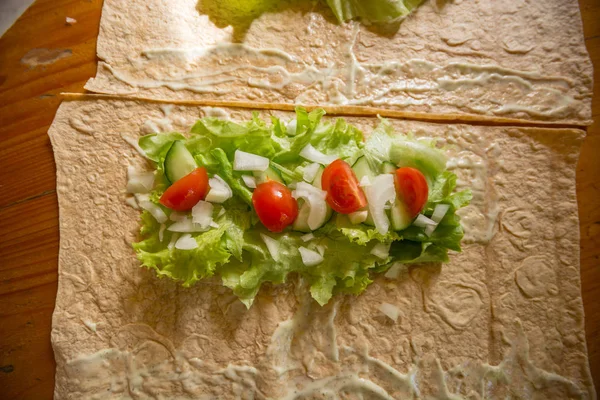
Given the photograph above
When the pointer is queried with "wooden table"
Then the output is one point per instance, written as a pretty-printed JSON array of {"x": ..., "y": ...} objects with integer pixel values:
[{"x": 29, "y": 210}]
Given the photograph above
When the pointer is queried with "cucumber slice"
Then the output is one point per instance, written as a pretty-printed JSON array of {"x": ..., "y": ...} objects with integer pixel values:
[
  {"x": 389, "y": 168},
  {"x": 362, "y": 168},
  {"x": 317, "y": 181},
  {"x": 400, "y": 216},
  {"x": 301, "y": 222},
  {"x": 270, "y": 174},
  {"x": 430, "y": 161},
  {"x": 178, "y": 162}
]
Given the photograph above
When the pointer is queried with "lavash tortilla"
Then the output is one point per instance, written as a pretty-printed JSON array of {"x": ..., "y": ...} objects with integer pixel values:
[
  {"x": 503, "y": 318},
  {"x": 465, "y": 60}
]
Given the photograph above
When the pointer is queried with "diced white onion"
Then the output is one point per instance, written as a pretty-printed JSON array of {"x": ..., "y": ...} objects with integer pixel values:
[
  {"x": 306, "y": 188},
  {"x": 221, "y": 211},
  {"x": 219, "y": 190},
  {"x": 249, "y": 181},
  {"x": 307, "y": 237},
  {"x": 157, "y": 212},
  {"x": 314, "y": 155},
  {"x": 429, "y": 229},
  {"x": 291, "y": 127},
  {"x": 186, "y": 242},
  {"x": 177, "y": 216},
  {"x": 142, "y": 197},
  {"x": 390, "y": 311},
  {"x": 243, "y": 161},
  {"x": 202, "y": 214},
  {"x": 380, "y": 193},
  {"x": 381, "y": 250},
  {"x": 310, "y": 258},
  {"x": 310, "y": 172},
  {"x": 161, "y": 232},
  {"x": 186, "y": 226},
  {"x": 358, "y": 217},
  {"x": 272, "y": 246},
  {"x": 173, "y": 240},
  {"x": 131, "y": 202},
  {"x": 213, "y": 224},
  {"x": 394, "y": 271},
  {"x": 139, "y": 182},
  {"x": 439, "y": 212},
  {"x": 365, "y": 181},
  {"x": 315, "y": 198},
  {"x": 422, "y": 221}
]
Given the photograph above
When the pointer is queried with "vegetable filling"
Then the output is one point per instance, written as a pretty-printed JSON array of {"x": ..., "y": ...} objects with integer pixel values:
[{"x": 254, "y": 202}]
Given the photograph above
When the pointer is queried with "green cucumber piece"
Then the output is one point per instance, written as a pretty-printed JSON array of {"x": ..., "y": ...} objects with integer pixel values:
[
  {"x": 400, "y": 216},
  {"x": 362, "y": 168},
  {"x": 389, "y": 168},
  {"x": 179, "y": 162},
  {"x": 317, "y": 181},
  {"x": 430, "y": 161},
  {"x": 270, "y": 174}
]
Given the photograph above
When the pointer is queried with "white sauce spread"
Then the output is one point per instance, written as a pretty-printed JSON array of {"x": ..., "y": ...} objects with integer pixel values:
[{"x": 349, "y": 81}]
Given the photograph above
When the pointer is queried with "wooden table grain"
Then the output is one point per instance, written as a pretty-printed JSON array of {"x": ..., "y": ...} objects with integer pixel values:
[{"x": 28, "y": 205}]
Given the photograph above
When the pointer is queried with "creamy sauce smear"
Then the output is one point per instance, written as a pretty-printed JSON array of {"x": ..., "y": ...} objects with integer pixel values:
[
  {"x": 351, "y": 82},
  {"x": 131, "y": 374}
]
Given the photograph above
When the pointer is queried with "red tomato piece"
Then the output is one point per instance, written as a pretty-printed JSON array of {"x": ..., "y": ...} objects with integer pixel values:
[
  {"x": 275, "y": 206},
  {"x": 344, "y": 193},
  {"x": 186, "y": 192},
  {"x": 412, "y": 189}
]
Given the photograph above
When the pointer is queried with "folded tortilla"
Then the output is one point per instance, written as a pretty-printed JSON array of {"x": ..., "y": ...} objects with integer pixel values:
[
  {"x": 461, "y": 60},
  {"x": 503, "y": 319}
]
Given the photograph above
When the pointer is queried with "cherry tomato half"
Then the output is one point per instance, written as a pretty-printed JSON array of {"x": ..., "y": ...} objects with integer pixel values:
[
  {"x": 412, "y": 189},
  {"x": 184, "y": 193},
  {"x": 275, "y": 206},
  {"x": 344, "y": 193}
]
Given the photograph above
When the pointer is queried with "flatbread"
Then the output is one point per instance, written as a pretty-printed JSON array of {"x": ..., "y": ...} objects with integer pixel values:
[
  {"x": 502, "y": 319},
  {"x": 465, "y": 60}
]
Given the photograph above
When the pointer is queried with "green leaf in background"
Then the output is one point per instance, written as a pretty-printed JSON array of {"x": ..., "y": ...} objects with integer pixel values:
[{"x": 376, "y": 11}]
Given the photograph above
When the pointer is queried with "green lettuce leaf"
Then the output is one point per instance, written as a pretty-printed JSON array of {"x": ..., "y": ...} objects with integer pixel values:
[
  {"x": 362, "y": 234},
  {"x": 341, "y": 139},
  {"x": 306, "y": 123},
  {"x": 253, "y": 136},
  {"x": 186, "y": 266},
  {"x": 156, "y": 146},
  {"x": 410, "y": 252},
  {"x": 378, "y": 145}
]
